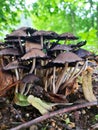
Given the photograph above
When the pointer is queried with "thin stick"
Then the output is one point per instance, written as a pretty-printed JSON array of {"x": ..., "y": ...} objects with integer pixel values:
[{"x": 51, "y": 114}]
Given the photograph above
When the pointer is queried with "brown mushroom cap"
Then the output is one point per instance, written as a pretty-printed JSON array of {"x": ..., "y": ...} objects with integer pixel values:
[
  {"x": 68, "y": 36},
  {"x": 45, "y": 34},
  {"x": 61, "y": 47},
  {"x": 31, "y": 45},
  {"x": 34, "y": 53},
  {"x": 67, "y": 57},
  {"x": 16, "y": 34},
  {"x": 30, "y": 78},
  {"x": 10, "y": 51},
  {"x": 14, "y": 65}
]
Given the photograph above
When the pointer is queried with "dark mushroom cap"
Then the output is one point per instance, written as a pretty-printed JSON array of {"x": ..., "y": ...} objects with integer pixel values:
[
  {"x": 13, "y": 65},
  {"x": 83, "y": 53},
  {"x": 34, "y": 53},
  {"x": 68, "y": 36},
  {"x": 51, "y": 64},
  {"x": 45, "y": 34},
  {"x": 31, "y": 45},
  {"x": 10, "y": 51},
  {"x": 17, "y": 33},
  {"x": 67, "y": 57},
  {"x": 78, "y": 45},
  {"x": 30, "y": 78},
  {"x": 61, "y": 47},
  {"x": 12, "y": 41}
]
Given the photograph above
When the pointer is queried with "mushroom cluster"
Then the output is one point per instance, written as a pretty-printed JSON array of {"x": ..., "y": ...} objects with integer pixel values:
[{"x": 38, "y": 58}]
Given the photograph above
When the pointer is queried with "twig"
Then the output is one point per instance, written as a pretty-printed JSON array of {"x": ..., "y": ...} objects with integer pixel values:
[{"x": 51, "y": 114}]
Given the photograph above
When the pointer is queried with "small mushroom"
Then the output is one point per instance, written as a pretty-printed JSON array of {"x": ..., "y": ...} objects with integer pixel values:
[
  {"x": 65, "y": 58},
  {"x": 28, "y": 79},
  {"x": 33, "y": 54},
  {"x": 18, "y": 34},
  {"x": 61, "y": 47},
  {"x": 44, "y": 35},
  {"x": 67, "y": 36}
]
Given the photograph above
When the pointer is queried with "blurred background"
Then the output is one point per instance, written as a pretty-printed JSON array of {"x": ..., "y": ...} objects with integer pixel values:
[{"x": 79, "y": 17}]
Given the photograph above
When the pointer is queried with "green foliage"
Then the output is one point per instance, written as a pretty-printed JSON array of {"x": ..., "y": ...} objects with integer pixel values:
[
  {"x": 10, "y": 11},
  {"x": 75, "y": 16},
  {"x": 78, "y": 17},
  {"x": 21, "y": 100}
]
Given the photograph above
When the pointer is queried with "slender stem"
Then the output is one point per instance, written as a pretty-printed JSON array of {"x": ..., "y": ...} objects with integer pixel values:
[
  {"x": 75, "y": 75},
  {"x": 20, "y": 44},
  {"x": 46, "y": 81},
  {"x": 74, "y": 71},
  {"x": 28, "y": 89},
  {"x": 23, "y": 89},
  {"x": 61, "y": 77},
  {"x": 41, "y": 38},
  {"x": 54, "y": 69},
  {"x": 33, "y": 65},
  {"x": 17, "y": 77}
]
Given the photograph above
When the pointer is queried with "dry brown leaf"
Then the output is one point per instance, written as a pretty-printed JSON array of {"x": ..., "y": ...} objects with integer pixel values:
[
  {"x": 6, "y": 79},
  {"x": 87, "y": 85}
]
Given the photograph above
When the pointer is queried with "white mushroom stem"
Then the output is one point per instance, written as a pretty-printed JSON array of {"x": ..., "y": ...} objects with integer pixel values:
[
  {"x": 75, "y": 74},
  {"x": 68, "y": 75},
  {"x": 46, "y": 80},
  {"x": 20, "y": 44},
  {"x": 17, "y": 77},
  {"x": 28, "y": 89},
  {"x": 82, "y": 69},
  {"x": 41, "y": 38},
  {"x": 54, "y": 69},
  {"x": 33, "y": 65},
  {"x": 74, "y": 71},
  {"x": 61, "y": 78}
]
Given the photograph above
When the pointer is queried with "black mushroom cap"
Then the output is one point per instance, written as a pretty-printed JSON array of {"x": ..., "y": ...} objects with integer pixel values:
[
  {"x": 78, "y": 45},
  {"x": 67, "y": 57},
  {"x": 68, "y": 36},
  {"x": 51, "y": 64},
  {"x": 83, "y": 53}
]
